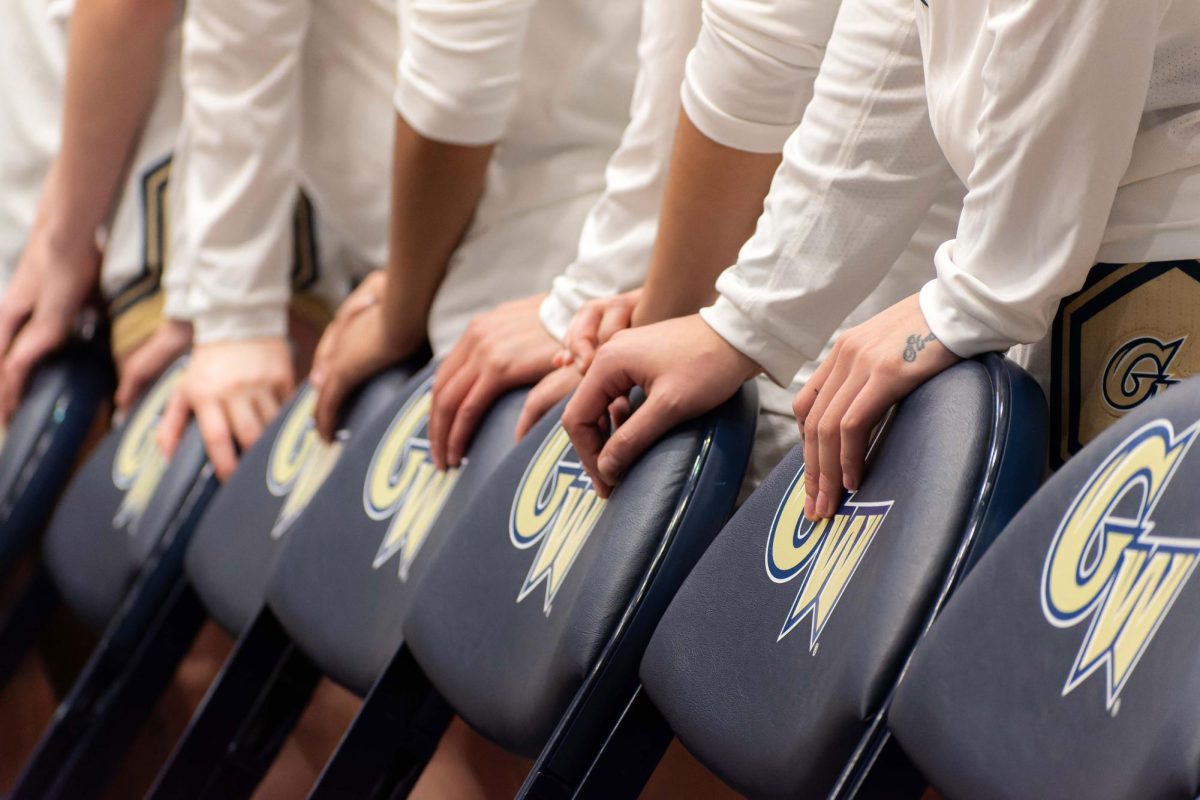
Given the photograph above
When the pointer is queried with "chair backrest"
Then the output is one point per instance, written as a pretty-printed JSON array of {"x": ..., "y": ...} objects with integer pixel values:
[
  {"x": 774, "y": 661},
  {"x": 341, "y": 585},
  {"x": 1068, "y": 664},
  {"x": 118, "y": 507},
  {"x": 65, "y": 396},
  {"x": 541, "y": 584},
  {"x": 233, "y": 550}
]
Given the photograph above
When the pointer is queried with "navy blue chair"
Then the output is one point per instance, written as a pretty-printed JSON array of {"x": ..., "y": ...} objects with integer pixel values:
[
  {"x": 357, "y": 538},
  {"x": 777, "y": 659},
  {"x": 531, "y": 617},
  {"x": 107, "y": 556},
  {"x": 1068, "y": 664},
  {"x": 64, "y": 400},
  {"x": 231, "y": 551}
]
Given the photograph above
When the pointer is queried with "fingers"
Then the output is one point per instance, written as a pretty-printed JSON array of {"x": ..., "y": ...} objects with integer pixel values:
[
  {"x": 616, "y": 318},
  {"x": 470, "y": 413},
  {"x": 642, "y": 428},
  {"x": 582, "y": 335},
  {"x": 143, "y": 367},
  {"x": 172, "y": 423},
  {"x": 446, "y": 402},
  {"x": 829, "y": 440},
  {"x": 11, "y": 320},
  {"x": 218, "y": 440},
  {"x": 330, "y": 395},
  {"x": 834, "y": 368},
  {"x": 581, "y": 419},
  {"x": 35, "y": 341},
  {"x": 544, "y": 396},
  {"x": 867, "y": 408},
  {"x": 244, "y": 420}
]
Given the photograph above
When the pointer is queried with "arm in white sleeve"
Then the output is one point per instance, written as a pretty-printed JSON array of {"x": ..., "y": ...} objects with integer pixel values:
[
  {"x": 618, "y": 235},
  {"x": 235, "y": 172},
  {"x": 858, "y": 177},
  {"x": 1065, "y": 86},
  {"x": 460, "y": 68},
  {"x": 751, "y": 74}
]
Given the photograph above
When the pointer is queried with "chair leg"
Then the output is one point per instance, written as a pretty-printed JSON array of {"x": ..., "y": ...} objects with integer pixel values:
[
  {"x": 243, "y": 720},
  {"x": 624, "y": 763},
  {"x": 108, "y": 704},
  {"x": 391, "y": 739},
  {"x": 24, "y": 620}
]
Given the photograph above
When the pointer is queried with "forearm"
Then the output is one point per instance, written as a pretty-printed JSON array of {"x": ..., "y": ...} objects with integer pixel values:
[
  {"x": 115, "y": 51},
  {"x": 713, "y": 197},
  {"x": 435, "y": 188}
]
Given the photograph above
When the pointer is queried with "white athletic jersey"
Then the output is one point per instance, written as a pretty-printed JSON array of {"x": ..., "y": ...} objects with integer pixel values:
[
  {"x": 280, "y": 97},
  {"x": 1072, "y": 123},
  {"x": 550, "y": 80},
  {"x": 748, "y": 82},
  {"x": 33, "y": 56}
]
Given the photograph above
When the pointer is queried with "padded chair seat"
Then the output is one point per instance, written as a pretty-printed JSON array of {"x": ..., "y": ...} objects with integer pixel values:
[
  {"x": 785, "y": 641},
  {"x": 1068, "y": 664},
  {"x": 233, "y": 550},
  {"x": 538, "y": 576},
  {"x": 44, "y": 438},
  {"x": 342, "y": 584},
  {"x": 118, "y": 507}
]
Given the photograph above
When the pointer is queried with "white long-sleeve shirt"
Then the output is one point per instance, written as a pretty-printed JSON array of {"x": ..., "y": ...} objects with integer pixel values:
[
  {"x": 280, "y": 95},
  {"x": 550, "y": 81},
  {"x": 1074, "y": 125},
  {"x": 747, "y": 83}
]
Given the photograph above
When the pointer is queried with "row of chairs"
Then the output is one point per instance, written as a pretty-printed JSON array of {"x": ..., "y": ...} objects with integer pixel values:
[{"x": 892, "y": 647}]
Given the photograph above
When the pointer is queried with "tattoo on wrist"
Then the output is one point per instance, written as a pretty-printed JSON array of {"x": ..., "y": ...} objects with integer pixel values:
[{"x": 915, "y": 344}]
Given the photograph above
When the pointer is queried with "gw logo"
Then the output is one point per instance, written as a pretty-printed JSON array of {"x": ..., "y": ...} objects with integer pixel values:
[
  {"x": 300, "y": 462},
  {"x": 556, "y": 506},
  {"x": 1106, "y": 562},
  {"x": 403, "y": 485},
  {"x": 830, "y": 551},
  {"x": 1138, "y": 370},
  {"x": 139, "y": 465}
]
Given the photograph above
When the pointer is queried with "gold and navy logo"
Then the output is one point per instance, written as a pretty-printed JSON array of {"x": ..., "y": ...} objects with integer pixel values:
[
  {"x": 403, "y": 485},
  {"x": 139, "y": 465},
  {"x": 555, "y": 507},
  {"x": 300, "y": 461},
  {"x": 1110, "y": 566},
  {"x": 1117, "y": 342},
  {"x": 1138, "y": 370},
  {"x": 828, "y": 553}
]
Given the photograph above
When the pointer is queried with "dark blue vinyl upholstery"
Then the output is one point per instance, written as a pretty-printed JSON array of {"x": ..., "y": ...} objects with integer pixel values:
[
  {"x": 1068, "y": 664},
  {"x": 342, "y": 584},
  {"x": 778, "y": 654},
  {"x": 118, "y": 507},
  {"x": 542, "y": 596},
  {"x": 232, "y": 552},
  {"x": 65, "y": 395}
]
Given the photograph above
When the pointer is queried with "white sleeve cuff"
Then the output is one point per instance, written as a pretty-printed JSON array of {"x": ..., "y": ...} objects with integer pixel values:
[
  {"x": 266, "y": 322},
  {"x": 962, "y": 333},
  {"x": 727, "y": 130},
  {"x": 778, "y": 360},
  {"x": 556, "y": 313},
  {"x": 440, "y": 119}
]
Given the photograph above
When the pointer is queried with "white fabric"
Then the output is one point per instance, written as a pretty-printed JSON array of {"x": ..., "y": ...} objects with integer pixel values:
[
  {"x": 551, "y": 81},
  {"x": 1074, "y": 124},
  {"x": 33, "y": 51},
  {"x": 280, "y": 96}
]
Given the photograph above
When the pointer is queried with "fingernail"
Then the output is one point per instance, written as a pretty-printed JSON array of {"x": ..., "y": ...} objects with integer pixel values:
[
  {"x": 608, "y": 468},
  {"x": 822, "y": 505},
  {"x": 810, "y": 508}
]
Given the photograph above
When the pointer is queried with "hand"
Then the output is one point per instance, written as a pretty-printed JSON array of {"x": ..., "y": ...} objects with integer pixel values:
[
  {"x": 593, "y": 325},
  {"x": 235, "y": 389},
  {"x": 145, "y": 363},
  {"x": 872, "y": 366},
  {"x": 49, "y": 287},
  {"x": 545, "y": 395},
  {"x": 355, "y": 346},
  {"x": 684, "y": 367},
  {"x": 501, "y": 350}
]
